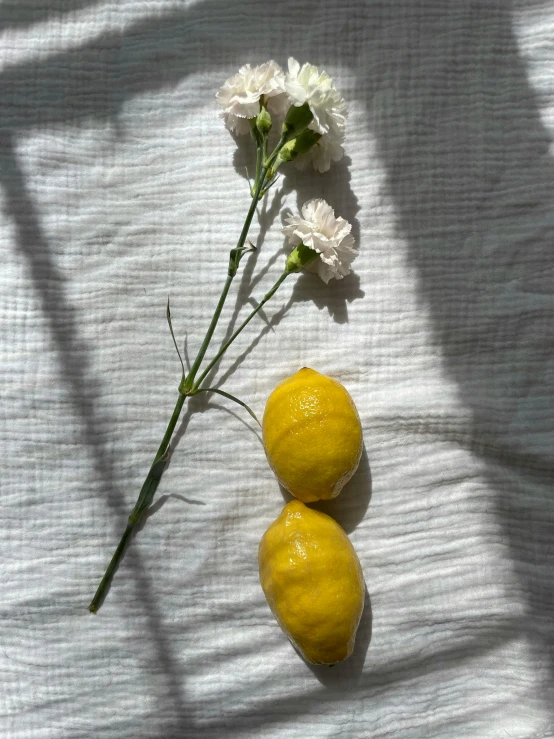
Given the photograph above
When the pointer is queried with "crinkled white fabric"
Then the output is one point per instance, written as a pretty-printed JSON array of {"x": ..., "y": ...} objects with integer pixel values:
[{"x": 119, "y": 185}]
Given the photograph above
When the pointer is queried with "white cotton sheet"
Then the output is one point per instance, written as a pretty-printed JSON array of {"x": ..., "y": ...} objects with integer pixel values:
[{"x": 120, "y": 186}]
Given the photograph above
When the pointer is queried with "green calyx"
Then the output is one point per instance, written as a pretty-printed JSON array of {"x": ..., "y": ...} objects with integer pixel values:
[
  {"x": 297, "y": 120},
  {"x": 300, "y": 145},
  {"x": 299, "y": 258},
  {"x": 263, "y": 122}
]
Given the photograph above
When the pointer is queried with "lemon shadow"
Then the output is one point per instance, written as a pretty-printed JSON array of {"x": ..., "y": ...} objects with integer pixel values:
[
  {"x": 347, "y": 674},
  {"x": 350, "y": 506}
]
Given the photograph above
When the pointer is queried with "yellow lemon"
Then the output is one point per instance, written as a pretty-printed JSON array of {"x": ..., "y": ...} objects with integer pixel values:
[
  {"x": 313, "y": 582},
  {"x": 312, "y": 435}
]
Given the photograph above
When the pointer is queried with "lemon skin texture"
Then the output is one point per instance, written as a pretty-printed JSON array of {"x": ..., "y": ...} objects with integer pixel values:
[
  {"x": 313, "y": 582},
  {"x": 312, "y": 435}
]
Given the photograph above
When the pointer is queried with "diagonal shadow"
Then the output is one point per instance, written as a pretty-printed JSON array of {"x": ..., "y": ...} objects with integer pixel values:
[
  {"x": 94, "y": 80},
  {"x": 73, "y": 358},
  {"x": 448, "y": 121},
  {"x": 23, "y": 13},
  {"x": 73, "y": 91},
  {"x": 470, "y": 174},
  {"x": 60, "y": 316}
]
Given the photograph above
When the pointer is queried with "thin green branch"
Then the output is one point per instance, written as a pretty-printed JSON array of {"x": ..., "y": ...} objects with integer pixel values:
[
  {"x": 243, "y": 325},
  {"x": 188, "y": 386},
  {"x": 231, "y": 397},
  {"x": 145, "y": 498}
]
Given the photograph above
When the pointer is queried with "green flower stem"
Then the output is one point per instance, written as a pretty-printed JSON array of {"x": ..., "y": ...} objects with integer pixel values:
[
  {"x": 144, "y": 500},
  {"x": 264, "y": 150},
  {"x": 273, "y": 156},
  {"x": 194, "y": 369},
  {"x": 258, "y": 168},
  {"x": 259, "y": 192},
  {"x": 187, "y": 386},
  {"x": 188, "y": 383},
  {"x": 243, "y": 325}
]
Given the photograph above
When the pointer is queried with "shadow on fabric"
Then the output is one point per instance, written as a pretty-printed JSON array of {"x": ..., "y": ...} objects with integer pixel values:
[
  {"x": 23, "y": 13},
  {"x": 448, "y": 90},
  {"x": 470, "y": 175}
]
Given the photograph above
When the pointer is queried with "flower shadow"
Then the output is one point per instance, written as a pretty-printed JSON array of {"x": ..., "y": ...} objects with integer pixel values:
[
  {"x": 266, "y": 217},
  {"x": 333, "y": 186},
  {"x": 308, "y": 287},
  {"x": 162, "y": 500},
  {"x": 244, "y": 156},
  {"x": 270, "y": 325},
  {"x": 335, "y": 296},
  {"x": 195, "y": 404}
]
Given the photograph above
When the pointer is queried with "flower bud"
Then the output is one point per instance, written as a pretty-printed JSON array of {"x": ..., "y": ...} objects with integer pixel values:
[
  {"x": 299, "y": 258},
  {"x": 297, "y": 120},
  {"x": 297, "y": 146},
  {"x": 263, "y": 121}
]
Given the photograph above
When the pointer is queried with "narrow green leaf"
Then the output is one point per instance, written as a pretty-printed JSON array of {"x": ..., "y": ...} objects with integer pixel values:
[
  {"x": 168, "y": 316},
  {"x": 250, "y": 185},
  {"x": 231, "y": 397}
]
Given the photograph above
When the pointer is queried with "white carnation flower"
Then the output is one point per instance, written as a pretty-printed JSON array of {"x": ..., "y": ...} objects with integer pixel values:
[
  {"x": 240, "y": 95},
  {"x": 330, "y": 237},
  {"x": 307, "y": 84}
]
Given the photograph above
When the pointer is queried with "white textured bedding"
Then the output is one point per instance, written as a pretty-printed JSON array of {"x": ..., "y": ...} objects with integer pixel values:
[{"x": 118, "y": 186}]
